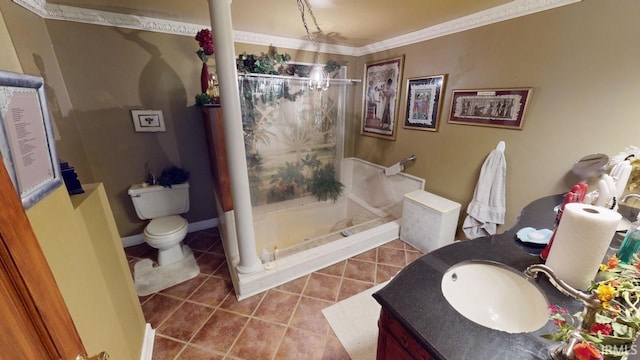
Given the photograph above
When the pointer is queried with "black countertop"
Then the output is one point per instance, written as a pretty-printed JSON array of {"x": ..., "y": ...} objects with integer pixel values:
[{"x": 415, "y": 299}]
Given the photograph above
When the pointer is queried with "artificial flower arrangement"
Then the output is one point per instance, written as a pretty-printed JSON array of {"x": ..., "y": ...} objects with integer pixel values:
[
  {"x": 616, "y": 323},
  {"x": 207, "y": 80},
  {"x": 205, "y": 40}
]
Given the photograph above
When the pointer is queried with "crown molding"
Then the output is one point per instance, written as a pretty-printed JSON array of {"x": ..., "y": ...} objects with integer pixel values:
[
  {"x": 514, "y": 9},
  {"x": 511, "y": 10},
  {"x": 289, "y": 43},
  {"x": 106, "y": 18}
]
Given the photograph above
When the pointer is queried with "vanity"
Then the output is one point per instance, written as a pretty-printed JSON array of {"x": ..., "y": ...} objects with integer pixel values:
[{"x": 417, "y": 322}]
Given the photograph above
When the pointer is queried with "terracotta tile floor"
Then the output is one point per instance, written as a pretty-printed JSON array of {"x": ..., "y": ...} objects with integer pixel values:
[{"x": 201, "y": 318}]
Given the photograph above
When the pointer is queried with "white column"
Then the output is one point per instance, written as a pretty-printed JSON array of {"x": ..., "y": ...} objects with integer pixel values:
[{"x": 220, "y": 11}]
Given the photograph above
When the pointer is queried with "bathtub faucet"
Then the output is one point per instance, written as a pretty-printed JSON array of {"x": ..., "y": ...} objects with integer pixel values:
[
  {"x": 591, "y": 306},
  {"x": 409, "y": 159}
]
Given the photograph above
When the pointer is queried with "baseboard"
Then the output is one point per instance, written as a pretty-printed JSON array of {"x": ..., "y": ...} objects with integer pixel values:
[
  {"x": 147, "y": 343},
  {"x": 132, "y": 240},
  {"x": 195, "y": 226},
  {"x": 204, "y": 224}
]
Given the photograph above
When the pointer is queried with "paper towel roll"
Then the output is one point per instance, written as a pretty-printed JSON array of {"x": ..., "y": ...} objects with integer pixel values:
[{"x": 580, "y": 243}]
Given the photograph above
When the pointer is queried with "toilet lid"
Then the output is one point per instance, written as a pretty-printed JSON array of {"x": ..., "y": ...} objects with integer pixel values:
[{"x": 165, "y": 225}]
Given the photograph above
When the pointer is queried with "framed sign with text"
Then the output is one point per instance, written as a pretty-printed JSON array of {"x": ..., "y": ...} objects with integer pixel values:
[{"x": 26, "y": 141}]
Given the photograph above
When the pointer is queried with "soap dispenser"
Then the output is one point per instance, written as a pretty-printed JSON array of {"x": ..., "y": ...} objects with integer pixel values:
[{"x": 631, "y": 242}]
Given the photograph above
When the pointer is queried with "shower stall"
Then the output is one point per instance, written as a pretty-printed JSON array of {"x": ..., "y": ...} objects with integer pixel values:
[{"x": 311, "y": 207}]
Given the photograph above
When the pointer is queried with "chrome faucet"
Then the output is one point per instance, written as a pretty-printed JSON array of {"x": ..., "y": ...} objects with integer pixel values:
[
  {"x": 409, "y": 159},
  {"x": 635, "y": 196},
  {"x": 591, "y": 306}
]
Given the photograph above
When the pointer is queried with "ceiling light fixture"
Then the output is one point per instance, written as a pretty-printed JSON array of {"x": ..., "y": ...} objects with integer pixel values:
[{"x": 318, "y": 78}]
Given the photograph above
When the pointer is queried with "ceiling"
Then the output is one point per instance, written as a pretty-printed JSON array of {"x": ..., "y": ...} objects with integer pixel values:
[{"x": 353, "y": 23}]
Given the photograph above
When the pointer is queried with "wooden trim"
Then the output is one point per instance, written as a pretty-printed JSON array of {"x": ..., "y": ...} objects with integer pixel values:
[{"x": 214, "y": 131}]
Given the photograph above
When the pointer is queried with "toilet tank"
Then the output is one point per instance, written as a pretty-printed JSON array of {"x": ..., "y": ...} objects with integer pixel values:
[{"x": 154, "y": 201}]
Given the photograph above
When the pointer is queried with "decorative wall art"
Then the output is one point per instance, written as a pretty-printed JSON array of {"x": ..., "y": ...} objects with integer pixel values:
[
  {"x": 26, "y": 140},
  {"x": 381, "y": 98},
  {"x": 503, "y": 108},
  {"x": 424, "y": 102},
  {"x": 148, "y": 120}
]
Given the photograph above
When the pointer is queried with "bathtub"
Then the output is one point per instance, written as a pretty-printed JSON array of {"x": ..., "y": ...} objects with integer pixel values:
[{"x": 310, "y": 235}]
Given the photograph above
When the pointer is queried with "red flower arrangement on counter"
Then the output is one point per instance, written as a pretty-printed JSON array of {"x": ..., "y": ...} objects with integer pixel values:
[{"x": 617, "y": 324}]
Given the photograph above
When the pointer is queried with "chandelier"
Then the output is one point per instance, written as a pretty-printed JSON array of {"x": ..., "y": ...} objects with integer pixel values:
[{"x": 318, "y": 78}]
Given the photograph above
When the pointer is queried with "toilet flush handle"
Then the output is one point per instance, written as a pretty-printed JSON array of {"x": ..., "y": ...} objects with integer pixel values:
[{"x": 136, "y": 195}]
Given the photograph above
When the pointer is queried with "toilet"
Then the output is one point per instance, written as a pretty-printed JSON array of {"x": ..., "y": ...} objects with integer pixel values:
[{"x": 163, "y": 206}]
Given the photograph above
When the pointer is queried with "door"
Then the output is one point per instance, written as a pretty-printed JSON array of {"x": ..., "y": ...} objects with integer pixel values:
[{"x": 35, "y": 321}]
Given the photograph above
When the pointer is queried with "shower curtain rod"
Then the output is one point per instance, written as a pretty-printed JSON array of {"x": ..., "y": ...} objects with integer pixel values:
[{"x": 338, "y": 81}]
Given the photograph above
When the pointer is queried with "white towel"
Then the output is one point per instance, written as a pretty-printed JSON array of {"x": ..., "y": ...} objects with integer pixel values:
[{"x": 488, "y": 206}]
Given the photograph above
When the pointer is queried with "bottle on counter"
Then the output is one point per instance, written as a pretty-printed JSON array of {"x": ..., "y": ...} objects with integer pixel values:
[{"x": 631, "y": 242}]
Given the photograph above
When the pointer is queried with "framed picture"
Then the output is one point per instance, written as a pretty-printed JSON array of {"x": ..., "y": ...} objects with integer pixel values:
[
  {"x": 148, "y": 120},
  {"x": 424, "y": 102},
  {"x": 503, "y": 108},
  {"x": 381, "y": 99},
  {"x": 26, "y": 140}
]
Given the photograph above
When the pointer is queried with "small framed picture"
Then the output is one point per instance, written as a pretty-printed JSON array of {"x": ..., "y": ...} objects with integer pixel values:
[
  {"x": 424, "y": 102},
  {"x": 148, "y": 120},
  {"x": 504, "y": 108},
  {"x": 381, "y": 100}
]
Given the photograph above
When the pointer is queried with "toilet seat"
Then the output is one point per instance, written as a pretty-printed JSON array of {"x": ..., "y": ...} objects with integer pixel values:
[
  {"x": 166, "y": 232},
  {"x": 165, "y": 226}
]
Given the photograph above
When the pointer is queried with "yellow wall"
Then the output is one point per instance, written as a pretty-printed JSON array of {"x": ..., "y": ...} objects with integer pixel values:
[
  {"x": 9, "y": 59},
  {"x": 578, "y": 71},
  {"x": 582, "y": 66},
  {"x": 35, "y": 53},
  {"x": 86, "y": 257},
  {"x": 111, "y": 71},
  {"x": 577, "y": 58},
  {"x": 82, "y": 247}
]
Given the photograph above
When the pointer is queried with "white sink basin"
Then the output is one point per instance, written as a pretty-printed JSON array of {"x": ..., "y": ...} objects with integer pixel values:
[{"x": 495, "y": 296}]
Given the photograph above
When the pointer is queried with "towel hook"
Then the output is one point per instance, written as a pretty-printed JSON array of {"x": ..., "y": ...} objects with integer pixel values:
[{"x": 500, "y": 146}]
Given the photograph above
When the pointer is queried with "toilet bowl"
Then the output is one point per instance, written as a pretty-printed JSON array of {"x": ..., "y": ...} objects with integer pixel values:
[
  {"x": 166, "y": 235},
  {"x": 163, "y": 206}
]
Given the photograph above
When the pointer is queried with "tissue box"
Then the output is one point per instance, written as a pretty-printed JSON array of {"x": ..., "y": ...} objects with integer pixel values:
[{"x": 428, "y": 220}]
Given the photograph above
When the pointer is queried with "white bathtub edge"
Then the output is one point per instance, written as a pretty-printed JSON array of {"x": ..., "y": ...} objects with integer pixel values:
[{"x": 308, "y": 261}]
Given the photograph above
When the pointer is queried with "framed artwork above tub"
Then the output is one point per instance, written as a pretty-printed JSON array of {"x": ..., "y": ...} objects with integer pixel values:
[
  {"x": 504, "y": 108},
  {"x": 381, "y": 97},
  {"x": 424, "y": 102}
]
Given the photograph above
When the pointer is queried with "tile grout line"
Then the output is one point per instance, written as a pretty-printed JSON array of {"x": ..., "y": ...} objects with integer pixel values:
[
  {"x": 324, "y": 339},
  {"x": 235, "y": 341},
  {"x": 215, "y": 309}
]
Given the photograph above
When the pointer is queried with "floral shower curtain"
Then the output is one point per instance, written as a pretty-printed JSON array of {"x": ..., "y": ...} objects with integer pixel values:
[{"x": 292, "y": 135}]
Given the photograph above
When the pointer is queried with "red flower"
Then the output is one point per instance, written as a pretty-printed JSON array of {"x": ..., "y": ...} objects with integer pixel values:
[
  {"x": 613, "y": 262},
  {"x": 205, "y": 40},
  {"x": 555, "y": 309},
  {"x": 586, "y": 351},
  {"x": 604, "y": 329},
  {"x": 558, "y": 322}
]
